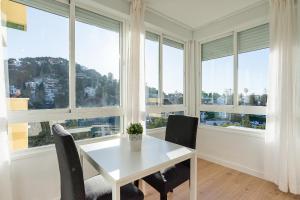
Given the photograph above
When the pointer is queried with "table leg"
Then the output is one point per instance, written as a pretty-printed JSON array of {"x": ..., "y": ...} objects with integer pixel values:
[
  {"x": 193, "y": 178},
  {"x": 116, "y": 192},
  {"x": 144, "y": 188}
]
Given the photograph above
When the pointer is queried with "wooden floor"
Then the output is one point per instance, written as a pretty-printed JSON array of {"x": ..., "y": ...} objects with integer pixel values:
[{"x": 216, "y": 182}]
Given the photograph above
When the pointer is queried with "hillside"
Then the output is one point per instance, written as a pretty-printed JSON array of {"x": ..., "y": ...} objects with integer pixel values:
[{"x": 44, "y": 80}]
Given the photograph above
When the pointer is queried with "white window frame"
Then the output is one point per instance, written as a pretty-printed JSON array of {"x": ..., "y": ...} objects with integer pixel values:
[
  {"x": 71, "y": 112},
  {"x": 161, "y": 108},
  {"x": 235, "y": 108}
]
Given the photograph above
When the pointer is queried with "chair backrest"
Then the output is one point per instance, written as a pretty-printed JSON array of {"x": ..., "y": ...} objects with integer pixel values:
[
  {"x": 182, "y": 130},
  {"x": 71, "y": 175}
]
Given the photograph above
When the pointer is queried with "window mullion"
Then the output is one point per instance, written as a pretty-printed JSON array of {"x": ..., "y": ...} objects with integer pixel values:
[
  {"x": 72, "y": 63},
  {"x": 186, "y": 81},
  {"x": 123, "y": 73},
  {"x": 235, "y": 71},
  {"x": 160, "y": 71},
  {"x": 199, "y": 76}
]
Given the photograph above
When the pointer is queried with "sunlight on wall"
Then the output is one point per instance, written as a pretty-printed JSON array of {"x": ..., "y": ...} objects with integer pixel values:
[
  {"x": 15, "y": 13},
  {"x": 18, "y": 132}
]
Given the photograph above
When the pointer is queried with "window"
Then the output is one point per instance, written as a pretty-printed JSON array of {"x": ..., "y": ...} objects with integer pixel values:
[
  {"x": 253, "y": 51},
  {"x": 98, "y": 60},
  {"x": 152, "y": 68},
  {"x": 164, "y": 77},
  {"x": 37, "y": 58},
  {"x": 217, "y": 72},
  {"x": 158, "y": 120},
  {"x": 28, "y": 135},
  {"x": 231, "y": 120},
  {"x": 234, "y": 93},
  {"x": 45, "y": 88},
  {"x": 173, "y": 71}
]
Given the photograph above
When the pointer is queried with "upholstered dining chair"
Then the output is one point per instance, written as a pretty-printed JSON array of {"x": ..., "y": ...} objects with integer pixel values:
[
  {"x": 73, "y": 186},
  {"x": 181, "y": 130}
]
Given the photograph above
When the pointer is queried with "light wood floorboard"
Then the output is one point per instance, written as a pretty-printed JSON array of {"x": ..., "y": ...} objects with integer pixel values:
[{"x": 216, "y": 182}]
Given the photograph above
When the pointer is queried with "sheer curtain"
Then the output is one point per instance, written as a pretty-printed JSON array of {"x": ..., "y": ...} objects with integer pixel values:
[
  {"x": 282, "y": 140},
  {"x": 136, "y": 84},
  {"x": 5, "y": 178}
]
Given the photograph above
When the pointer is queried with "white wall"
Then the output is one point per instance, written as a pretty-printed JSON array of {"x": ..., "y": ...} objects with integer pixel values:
[
  {"x": 36, "y": 177},
  {"x": 252, "y": 15},
  {"x": 122, "y": 8},
  {"x": 35, "y": 173},
  {"x": 231, "y": 148},
  {"x": 167, "y": 26},
  {"x": 234, "y": 148}
]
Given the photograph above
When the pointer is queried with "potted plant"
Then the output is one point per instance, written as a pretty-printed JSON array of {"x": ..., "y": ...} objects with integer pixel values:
[{"x": 135, "y": 131}]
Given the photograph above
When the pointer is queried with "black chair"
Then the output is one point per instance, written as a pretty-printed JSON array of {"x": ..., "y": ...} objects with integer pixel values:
[
  {"x": 181, "y": 130},
  {"x": 73, "y": 187}
]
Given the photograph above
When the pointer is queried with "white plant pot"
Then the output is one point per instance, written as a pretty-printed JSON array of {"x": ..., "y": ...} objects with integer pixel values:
[{"x": 135, "y": 142}]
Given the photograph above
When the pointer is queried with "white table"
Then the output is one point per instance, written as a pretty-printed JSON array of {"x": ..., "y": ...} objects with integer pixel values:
[{"x": 114, "y": 160}]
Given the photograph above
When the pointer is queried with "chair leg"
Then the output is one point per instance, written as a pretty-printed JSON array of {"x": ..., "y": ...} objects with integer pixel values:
[{"x": 163, "y": 196}]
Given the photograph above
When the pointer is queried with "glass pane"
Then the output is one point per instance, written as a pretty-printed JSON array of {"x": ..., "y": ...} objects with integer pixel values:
[
  {"x": 156, "y": 120},
  {"x": 28, "y": 135},
  {"x": 217, "y": 81},
  {"x": 231, "y": 120},
  {"x": 37, "y": 57},
  {"x": 252, "y": 77},
  {"x": 152, "y": 71},
  {"x": 173, "y": 73},
  {"x": 97, "y": 66}
]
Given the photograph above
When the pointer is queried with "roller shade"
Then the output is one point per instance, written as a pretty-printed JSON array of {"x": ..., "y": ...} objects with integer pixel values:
[
  {"x": 51, "y": 6},
  {"x": 89, "y": 17},
  {"x": 152, "y": 36},
  {"x": 172, "y": 43},
  {"x": 218, "y": 48},
  {"x": 253, "y": 39}
]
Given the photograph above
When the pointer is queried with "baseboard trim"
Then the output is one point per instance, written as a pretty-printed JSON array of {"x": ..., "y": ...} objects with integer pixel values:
[{"x": 232, "y": 165}]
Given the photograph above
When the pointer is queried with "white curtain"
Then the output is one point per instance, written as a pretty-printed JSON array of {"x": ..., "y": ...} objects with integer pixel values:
[
  {"x": 282, "y": 140},
  {"x": 5, "y": 175},
  {"x": 135, "y": 76},
  {"x": 190, "y": 50}
]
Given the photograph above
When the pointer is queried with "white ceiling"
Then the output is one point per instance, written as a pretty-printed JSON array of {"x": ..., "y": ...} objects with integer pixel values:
[{"x": 196, "y": 13}]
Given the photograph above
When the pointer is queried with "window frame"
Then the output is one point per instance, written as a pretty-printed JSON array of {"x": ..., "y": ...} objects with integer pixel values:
[
  {"x": 73, "y": 112},
  {"x": 235, "y": 108},
  {"x": 161, "y": 108}
]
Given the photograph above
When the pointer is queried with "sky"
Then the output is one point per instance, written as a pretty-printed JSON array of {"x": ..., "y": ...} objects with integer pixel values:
[
  {"x": 217, "y": 74},
  {"x": 253, "y": 67},
  {"x": 95, "y": 48},
  {"x": 152, "y": 63},
  {"x": 173, "y": 65},
  {"x": 48, "y": 35}
]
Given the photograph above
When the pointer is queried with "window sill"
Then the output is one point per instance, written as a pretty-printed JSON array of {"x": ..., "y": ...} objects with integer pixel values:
[
  {"x": 250, "y": 132},
  {"x": 37, "y": 151},
  {"x": 155, "y": 130}
]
